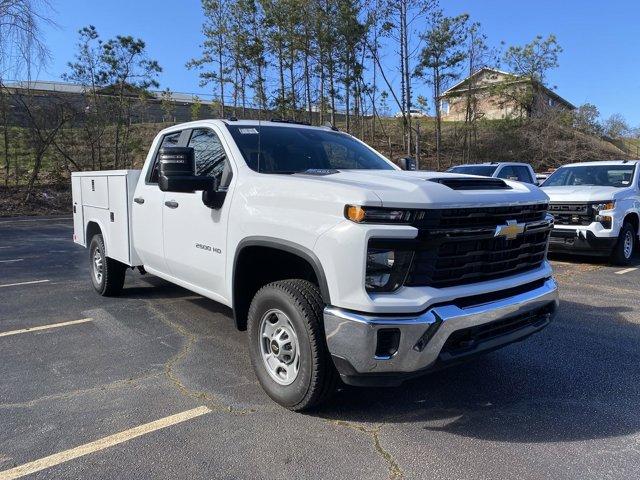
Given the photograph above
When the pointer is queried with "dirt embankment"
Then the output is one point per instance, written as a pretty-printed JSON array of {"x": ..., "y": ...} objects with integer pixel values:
[{"x": 44, "y": 200}]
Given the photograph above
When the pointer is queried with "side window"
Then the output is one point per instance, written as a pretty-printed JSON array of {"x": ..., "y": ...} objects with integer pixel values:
[
  {"x": 169, "y": 140},
  {"x": 523, "y": 174},
  {"x": 508, "y": 173},
  {"x": 211, "y": 159}
]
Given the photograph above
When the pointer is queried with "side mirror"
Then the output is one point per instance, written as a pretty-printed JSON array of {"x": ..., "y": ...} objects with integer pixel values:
[
  {"x": 177, "y": 169},
  {"x": 407, "y": 163},
  {"x": 177, "y": 174}
]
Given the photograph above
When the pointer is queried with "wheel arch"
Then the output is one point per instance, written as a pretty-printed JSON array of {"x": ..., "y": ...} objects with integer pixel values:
[
  {"x": 94, "y": 227},
  {"x": 634, "y": 219},
  {"x": 248, "y": 277}
]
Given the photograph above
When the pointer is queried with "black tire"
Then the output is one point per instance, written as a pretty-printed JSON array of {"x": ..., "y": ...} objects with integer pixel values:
[
  {"x": 621, "y": 254},
  {"x": 111, "y": 279},
  {"x": 317, "y": 377}
]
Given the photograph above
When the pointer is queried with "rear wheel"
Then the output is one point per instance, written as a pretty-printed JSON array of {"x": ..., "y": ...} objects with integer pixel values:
[
  {"x": 626, "y": 246},
  {"x": 107, "y": 274},
  {"x": 287, "y": 344}
]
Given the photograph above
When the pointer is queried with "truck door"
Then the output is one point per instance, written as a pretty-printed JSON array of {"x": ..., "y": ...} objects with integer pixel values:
[
  {"x": 147, "y": 209},
  {"x": 195, "y": 235}
]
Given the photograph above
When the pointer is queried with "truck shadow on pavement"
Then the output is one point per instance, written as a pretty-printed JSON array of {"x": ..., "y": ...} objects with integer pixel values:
[{"x": 577, "y": 380}]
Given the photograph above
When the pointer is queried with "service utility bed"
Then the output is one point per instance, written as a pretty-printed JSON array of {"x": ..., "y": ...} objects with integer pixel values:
[{"x": 106, "y": 197}]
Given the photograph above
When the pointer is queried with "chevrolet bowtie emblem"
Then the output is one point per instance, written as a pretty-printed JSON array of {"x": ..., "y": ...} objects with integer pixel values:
[{"x": 509, "y": 231}]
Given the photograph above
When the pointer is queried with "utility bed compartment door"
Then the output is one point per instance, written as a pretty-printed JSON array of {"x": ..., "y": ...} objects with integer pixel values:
[
  {"x": 118, "y": 226},
  {"x": 95, "y": 191},
  {"x": 78, "y": 220}
]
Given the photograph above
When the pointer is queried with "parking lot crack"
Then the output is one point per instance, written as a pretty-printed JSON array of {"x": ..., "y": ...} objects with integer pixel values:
[
  {"x": 189, "y": 340},
  {"x": 395, "y": 472}
]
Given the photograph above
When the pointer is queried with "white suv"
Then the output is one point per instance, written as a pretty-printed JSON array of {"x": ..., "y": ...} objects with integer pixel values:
[{"x": 596, "y": 206}]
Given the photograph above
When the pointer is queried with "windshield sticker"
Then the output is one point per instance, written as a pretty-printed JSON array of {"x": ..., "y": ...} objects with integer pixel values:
[{"x": 248, "y": 131}]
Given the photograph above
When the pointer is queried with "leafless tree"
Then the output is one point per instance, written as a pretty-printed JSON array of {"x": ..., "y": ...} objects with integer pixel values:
[{"x": 22, "y": 49}]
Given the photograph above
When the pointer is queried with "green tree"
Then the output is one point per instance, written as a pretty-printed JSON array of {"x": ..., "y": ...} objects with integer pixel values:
[
  {"x": 479, "y": 55},
  {"x": 213, "y": 65},
  {"x": 530, "y": 64},
  {"x": 535, "y": 59},
  {"x": 441, "y": 59},
  {"x": 167, "y": 105},
  {"x": 196, "y": 107},
  {"x": 89, "y": 71},
  {"x": 129, "y": 73},
  {"x": 351, "y": 33}
]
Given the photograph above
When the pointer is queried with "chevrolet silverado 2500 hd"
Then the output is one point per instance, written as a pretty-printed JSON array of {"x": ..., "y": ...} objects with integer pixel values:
[
  {"x": 596, "y": 206},
  {"x": 338, "y": 263}
]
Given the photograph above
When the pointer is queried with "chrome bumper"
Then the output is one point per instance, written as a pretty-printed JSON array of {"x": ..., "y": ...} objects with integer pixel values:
[{"x": 352, "y": 337}]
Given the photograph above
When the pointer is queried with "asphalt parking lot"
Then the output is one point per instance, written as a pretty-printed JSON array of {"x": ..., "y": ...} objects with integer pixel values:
[{"x": 158, "y": 384}]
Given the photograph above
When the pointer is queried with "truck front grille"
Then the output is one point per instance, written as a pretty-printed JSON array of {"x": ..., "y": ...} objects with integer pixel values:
[
  {"x": 457, "y": 252},
  {"x": 480, "y": 217},
  {"x": 572, "y": 213}
]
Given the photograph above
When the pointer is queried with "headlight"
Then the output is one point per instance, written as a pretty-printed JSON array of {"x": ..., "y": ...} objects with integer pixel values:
[
  {"x": 386, "y": 269},
  {"x": 604, "y": 206},
  {"x": 359, "y": 214}
]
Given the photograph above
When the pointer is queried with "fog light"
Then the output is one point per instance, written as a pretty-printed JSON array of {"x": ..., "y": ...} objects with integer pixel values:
[
  {"x": 604, "y": 220},
  {"x": 387, "y": 343}
]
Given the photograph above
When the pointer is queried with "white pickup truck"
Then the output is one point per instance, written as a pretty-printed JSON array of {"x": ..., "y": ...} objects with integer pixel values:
[
  {"x": 596, "y": 206},
  {"x": 338, "y": 263}
]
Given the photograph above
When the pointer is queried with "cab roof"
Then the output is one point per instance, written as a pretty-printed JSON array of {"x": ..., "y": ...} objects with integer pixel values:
[{"x": 604, "y": 162}]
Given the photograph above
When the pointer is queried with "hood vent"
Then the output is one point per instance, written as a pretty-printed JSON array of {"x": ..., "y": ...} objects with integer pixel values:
[{"x": 465, "y": 183}]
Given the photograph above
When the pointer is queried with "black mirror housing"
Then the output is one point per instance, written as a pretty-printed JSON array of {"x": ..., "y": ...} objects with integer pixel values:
[
  {"x": 177, "y": 161},
  {"x": 186, "y": 183},
  {"x": 177, "y": 174},
  {"x": 408, "y": 163}
]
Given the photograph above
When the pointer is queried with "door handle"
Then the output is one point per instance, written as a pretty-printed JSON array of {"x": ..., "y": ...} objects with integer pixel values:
[
  {"x": 171, "y": 204},
  {"x": 139, "y": 200}
]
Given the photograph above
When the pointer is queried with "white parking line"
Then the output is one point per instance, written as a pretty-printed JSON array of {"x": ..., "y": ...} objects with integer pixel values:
[
  {"x": 106, "y": 442},
  {"x": 45, "y": 327},
  {"x": 23, "y": 283},
  {"x": 626, "y": 270},
  {"x": 12, "y": 261}
]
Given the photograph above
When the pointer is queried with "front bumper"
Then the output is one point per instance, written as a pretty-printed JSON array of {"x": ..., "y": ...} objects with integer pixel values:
[
  {"x": 441, "y": 335},
  {"x": 580, "y": 241}
]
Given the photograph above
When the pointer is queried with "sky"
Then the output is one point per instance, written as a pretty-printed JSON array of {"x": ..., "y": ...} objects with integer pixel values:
[{"x": 601, "y": 41}]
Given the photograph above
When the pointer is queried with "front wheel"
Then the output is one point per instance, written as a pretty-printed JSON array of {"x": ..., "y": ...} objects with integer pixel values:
[
  {"x": 287, "y": 345},
  {"x": 626, "y": 246},
  {"x": 107, "y": 274}
]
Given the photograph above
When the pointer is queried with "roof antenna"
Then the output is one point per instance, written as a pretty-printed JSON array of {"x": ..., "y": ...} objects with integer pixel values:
[{"x": 259, "y": 135}]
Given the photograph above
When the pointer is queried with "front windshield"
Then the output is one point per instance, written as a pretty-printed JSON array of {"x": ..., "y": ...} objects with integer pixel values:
[
  {"x": 291, "y": 150},
  {"x": 481, "y": 170},
  {"x": 619, "y": 176}
]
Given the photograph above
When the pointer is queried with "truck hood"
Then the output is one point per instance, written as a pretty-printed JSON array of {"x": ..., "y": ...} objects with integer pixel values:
[
  {"x": 582, "y": 193},
  {"x": 398, "y": 188}
]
